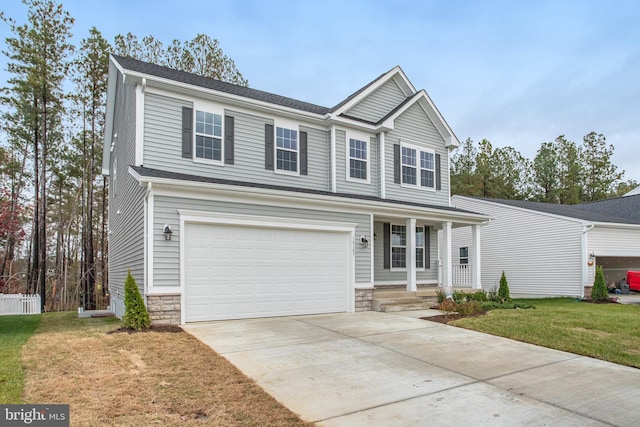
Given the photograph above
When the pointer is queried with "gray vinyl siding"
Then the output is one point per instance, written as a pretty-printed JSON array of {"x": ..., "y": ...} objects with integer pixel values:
[
  {"x": 162, "y": 150},
  {"x": 428, "y": 276},
  {"x": 167, "y": 253},
  {"x": 540, "y": 254},
  {"x": 126, "y": 228},
  {"x": 415, "y": 127},
  {"x": 342, "y": 159},
  {"x": 379, "y": 103}
]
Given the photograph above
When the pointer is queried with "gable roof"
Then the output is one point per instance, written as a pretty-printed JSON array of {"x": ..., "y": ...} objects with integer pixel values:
[
  {"x": 214, "y": 84},
  {"x": 633, "y": 192},
  {"x": 621, "y": 210}
]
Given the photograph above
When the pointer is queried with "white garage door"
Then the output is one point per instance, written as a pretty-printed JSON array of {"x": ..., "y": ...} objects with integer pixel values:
[{"x": 235, "y": 272}]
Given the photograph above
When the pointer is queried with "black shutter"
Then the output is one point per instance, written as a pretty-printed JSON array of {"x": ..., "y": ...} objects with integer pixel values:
[
  {"x": 303, "y": 153},
  {"x": 427, "y": 247},
  {"x": 268, "y": 146},
  {"x": 187, "y": 132},
  {"x": 387, "y": 245},
  {"x": 229, "y": 133},
  {"x": 438, "y": 173},
  {"x": 396, "y": 163}
]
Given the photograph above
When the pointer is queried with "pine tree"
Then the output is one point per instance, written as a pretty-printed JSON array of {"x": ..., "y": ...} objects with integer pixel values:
[
  {"x": 136, "y": 316},
  {"x": 599, "y": 292},
  {"x": 503, "y": 290}
]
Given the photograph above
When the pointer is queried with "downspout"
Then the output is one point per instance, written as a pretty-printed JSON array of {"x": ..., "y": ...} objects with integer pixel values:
[
  {"x": 148, "y": 239},
  {"x": 583, "y": 257}
]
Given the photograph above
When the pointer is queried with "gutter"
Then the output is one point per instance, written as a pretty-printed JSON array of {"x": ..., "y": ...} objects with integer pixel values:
[{"x": 583, "y": 257}]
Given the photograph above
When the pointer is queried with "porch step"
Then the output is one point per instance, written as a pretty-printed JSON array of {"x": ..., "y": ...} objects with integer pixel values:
[{"x": 389, "y": 301}]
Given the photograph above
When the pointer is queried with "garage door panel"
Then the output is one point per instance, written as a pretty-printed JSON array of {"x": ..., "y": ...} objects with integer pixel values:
[{"x": 240, "y": 272}]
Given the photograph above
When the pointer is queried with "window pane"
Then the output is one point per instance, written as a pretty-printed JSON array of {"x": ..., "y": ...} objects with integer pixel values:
[
  {"x": 426, "y": 178},
  {"x": 419, "y": 257},
  {"x": 287, "y": 160},
  {"x": 358, "y": 169},
  {"x": 208, "y": 148},
  {"x": 426, "y": 160},
  {"x": 408, "y": 156},
  {"x": 358, "y": 149},
  {"x": 420, "y": 237},
  {"x": 287, "y": 138},
  {"x": 398, "y": 257},
  {"x": 398, "y": 235},
  {"x": 408, "y": 175}
]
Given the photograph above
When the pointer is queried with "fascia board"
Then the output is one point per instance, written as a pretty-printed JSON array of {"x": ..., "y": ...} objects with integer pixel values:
[
  {"x": 616, "y": 225},
  {"x": 109, "y": 114},
  {"x": 373, "y": 87},
  {"x": 197, "y": 189}
]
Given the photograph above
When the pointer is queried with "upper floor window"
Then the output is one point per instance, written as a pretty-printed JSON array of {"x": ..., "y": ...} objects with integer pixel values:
[
  {"x": 358, "y": 159},
  {"x": 286, "y": 149},
  {"x": 418, "y": 167},
  {"x": 208, "y": 136}
]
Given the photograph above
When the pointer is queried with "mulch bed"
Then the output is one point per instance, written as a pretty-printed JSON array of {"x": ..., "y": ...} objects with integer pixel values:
[{"x": 153, "y": 328}]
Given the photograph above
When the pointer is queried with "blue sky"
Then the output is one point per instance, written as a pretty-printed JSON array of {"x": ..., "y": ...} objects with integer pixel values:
[{"x": 517, "y": 73}]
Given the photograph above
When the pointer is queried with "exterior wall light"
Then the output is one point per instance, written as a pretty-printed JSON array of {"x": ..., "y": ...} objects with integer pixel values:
[
  {"x": 166, "y": 230},
  {"x": 364, "y": 242}
]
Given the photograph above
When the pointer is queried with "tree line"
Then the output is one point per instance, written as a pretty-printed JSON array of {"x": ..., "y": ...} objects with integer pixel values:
[
  {"x": 53, "y": 197},
  {"x": 561, "y": 172}
]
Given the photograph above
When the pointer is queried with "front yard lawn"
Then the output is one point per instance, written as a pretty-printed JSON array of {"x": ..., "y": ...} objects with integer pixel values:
[
  {"x": 603, "y": 331},
  {"x": 139, "y": 379}
]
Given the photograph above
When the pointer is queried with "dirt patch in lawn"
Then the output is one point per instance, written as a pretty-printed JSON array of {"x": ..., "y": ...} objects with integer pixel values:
[
  {"x": 137, "y": 379},
  {"x": 446, "y": 318}
]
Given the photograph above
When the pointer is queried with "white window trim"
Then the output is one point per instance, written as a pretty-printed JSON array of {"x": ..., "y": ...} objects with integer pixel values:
[
  {"x": 207, "y": 107},
  {"x": 285, "y": 124},
  {"x": 418, "y": 167},
  {"x": 349, "y": 135},
  {"x": 424, "y": 249}
]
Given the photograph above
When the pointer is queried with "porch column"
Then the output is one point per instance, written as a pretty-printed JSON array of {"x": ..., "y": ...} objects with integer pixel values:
[
  {"x": 447, "y": 269},
  {"x": 411, "y": 255},
  {"x": 476, "y": 282}
]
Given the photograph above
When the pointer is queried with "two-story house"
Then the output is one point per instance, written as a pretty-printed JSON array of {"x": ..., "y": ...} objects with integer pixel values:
[{"x": 229, "y": 202}]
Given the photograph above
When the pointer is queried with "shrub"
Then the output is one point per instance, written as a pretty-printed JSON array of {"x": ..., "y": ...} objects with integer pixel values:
[
  {"x": 503, "y": 291},
  {"x": 448, "y": 306},
  {"x": 136, "y": 316},
  {"x": 599, "y": 291},
  {"x": 492, "y": 295},
  {"x": 480, "y": 296},
  {"x": 440, "y": 296},
  {"x": 470, "y": 308},
  {"x": 459, "y": 296}
]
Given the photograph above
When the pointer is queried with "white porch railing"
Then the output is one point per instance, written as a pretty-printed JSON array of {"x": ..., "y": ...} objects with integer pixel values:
[
  {"x": 462, "y": 275},
  {"x": 19, "y": 304}
]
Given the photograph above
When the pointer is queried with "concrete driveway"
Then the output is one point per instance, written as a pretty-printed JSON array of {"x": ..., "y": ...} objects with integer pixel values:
[{"x": 394, "y": 369}]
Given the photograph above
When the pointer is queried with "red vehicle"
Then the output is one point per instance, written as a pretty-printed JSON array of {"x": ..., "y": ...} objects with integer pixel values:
[{"x": 633, "y": 279}]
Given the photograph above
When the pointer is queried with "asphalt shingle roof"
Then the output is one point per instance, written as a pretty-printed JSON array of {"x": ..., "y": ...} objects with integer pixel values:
[
  {"x": 157, "y": 173},
  {"x": 622, "y": 210},
  {"x": 209, "y": 83}
]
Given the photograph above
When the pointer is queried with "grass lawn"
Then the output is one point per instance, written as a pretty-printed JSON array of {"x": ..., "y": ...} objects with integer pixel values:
[
  {"x": 14, "y": 332},
  {"x": 603, "y": 331},
  {"x": 148, "y": 378}
]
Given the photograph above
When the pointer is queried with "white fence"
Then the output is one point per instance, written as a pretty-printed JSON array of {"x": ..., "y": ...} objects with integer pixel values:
[{"x": 19, "y": 304}]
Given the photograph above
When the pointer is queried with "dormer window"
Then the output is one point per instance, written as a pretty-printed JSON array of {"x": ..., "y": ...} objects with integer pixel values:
[
  {"x": 208, "y": 136},
  {"x": 286, "y": 150}
]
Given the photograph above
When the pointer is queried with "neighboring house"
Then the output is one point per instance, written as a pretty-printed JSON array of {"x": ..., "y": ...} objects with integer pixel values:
[
  {"x": 548, "y": 249},
  {"x": 274, "y": 206}
]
